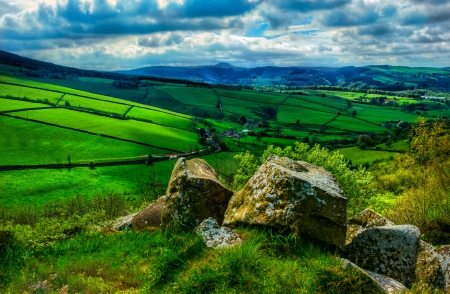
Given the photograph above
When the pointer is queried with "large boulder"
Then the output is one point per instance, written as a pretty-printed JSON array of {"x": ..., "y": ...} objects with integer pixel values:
[
  {"x": 430, "y": 270},
  {"x": 444, "y": 255},
  {"x": 382, "y": 283},
  {"x": 376, "y": 243},
  {"x": 216, "y": 236},
  {"x": 364, "y": 220},
  {"x": 194, "y": 193},
  {"x": 150, "y": 217},
  {"x": 389, "y": 250},
  {"x": 292, "y": 195}
]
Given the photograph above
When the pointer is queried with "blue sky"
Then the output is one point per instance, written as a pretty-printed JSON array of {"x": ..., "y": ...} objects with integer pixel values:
[{"x": 125, "y": 34}]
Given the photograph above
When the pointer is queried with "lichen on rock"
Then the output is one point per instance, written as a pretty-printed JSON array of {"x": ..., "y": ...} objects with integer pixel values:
[
  {"x": 194, "y": 193},
  {"x": 382, "y": 283},
  {"x": 216, "y": 236},
  {"x": 293, "y": 195}
]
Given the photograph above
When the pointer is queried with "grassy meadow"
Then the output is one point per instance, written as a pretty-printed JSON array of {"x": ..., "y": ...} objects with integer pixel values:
[{"x": 55, "y": 214}]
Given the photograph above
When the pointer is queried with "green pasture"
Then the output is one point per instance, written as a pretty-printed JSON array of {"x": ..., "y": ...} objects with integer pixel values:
[
  {"x": 10, "y": 104},
  {"x": 96, "y": 105},
  {"x": 245, "y": 108},
  {"x": 95, "y": 80},
  {"x": 439, "y": 113},
  {"x": 29, "y": 93},
  {"x": 353, "y": 124},
  {"x": 39, "y": 186},
  {"x": 53, "y": 87},
  {"x": 322, "y": 101},
  {"x": 266, "y": 98},
  {"x": 289, "y": 114},
  {"x": 31, "y": 83},
  {"x": 360, "y": 157},
  {"x": 159, "y": 117},
  {"x": 191, "y": 95},
  {"x": 401, "y": 145},
  {"x": 156, "y": 135},
  {"x": 314, "y": 104},
  {"x": 26, "y": 142},
  {"x": 378, "y": 115},
  {"x": 345, "y": 95}
]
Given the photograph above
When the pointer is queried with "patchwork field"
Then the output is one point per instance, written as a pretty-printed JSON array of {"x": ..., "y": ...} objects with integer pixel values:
[
  {"x": 152, "y": 134},
  {"x": 27, "y": 142}
]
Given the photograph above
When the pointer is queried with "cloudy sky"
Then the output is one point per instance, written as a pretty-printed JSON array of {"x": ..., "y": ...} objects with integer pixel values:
[{"x": 125, "y": 34}]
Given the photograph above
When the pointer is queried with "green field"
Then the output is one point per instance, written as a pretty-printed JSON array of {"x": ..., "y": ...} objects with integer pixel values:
[
  {"x": 190, "y": 95},
  {"x": 26, "y": 83},
  {"x": 159, "y": 117},
  {"x": 345, "y": 95},
  {"x": 377, "y": 114},
  {"x": 352, "y": 124},
  {"x": 156, "y": 135},
  {"x": 288, "y": 114},
  {"x": 252, "y": 96},
  {"x": 10, "y": 104},
  {"x": 39, "y": 186},
  {"x": 96, "y": 105},
  {"x": 313, "y": 104},
  {"x": 360, "y": 157},
  {"x": 29, "y": 93},
  {"x": 26, "y": 142},
  {"x": 333, "y": 102}
]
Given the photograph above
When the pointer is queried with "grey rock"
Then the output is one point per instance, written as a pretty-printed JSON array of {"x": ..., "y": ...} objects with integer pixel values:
[
  {"x": 150, "y": 217},
  {"x": 216, "y": 236},
  {"x": 364, "y": 220},
  {"x": 389, "y": 250},
  {"x": 194, "y": 193},
  {"x": 122, "y": 223},
  {"x": 292, "y": 195},
  {"x": 429, "y": 268},
  {"x": 444, "y": 254},
  {"x": 383, "y": 283}
]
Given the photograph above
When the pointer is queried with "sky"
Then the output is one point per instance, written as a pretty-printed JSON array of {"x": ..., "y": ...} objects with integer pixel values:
[{"x": 127, "y": 34}]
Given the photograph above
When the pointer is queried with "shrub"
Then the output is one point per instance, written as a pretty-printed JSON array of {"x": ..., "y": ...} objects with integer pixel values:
[
  {"x": 223, "y": 145},
  {"x": 437, "y": 231}
]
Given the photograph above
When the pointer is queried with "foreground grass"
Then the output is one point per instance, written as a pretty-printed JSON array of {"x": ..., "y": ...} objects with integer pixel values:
[{"x": 155, "y": 262}]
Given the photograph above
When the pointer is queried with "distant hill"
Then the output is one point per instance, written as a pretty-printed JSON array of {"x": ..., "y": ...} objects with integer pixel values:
[{"x": 383, "y": 77}]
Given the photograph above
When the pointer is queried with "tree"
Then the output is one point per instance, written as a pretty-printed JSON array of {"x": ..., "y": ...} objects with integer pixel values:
[
  {"x": 297, "y": 122},
  {"x": 354, "y": 113},
  {"x": 278, "y": 131},
  {"x": 193, "y": 122},
  {"x": 426, "y": 170}
]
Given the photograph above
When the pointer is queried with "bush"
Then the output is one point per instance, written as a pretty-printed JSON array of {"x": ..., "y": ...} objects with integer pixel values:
[
  {"x": 223, "y": 145},
  {"x": 362, "y": 146},
  {"x": 437, "y": 231}
]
